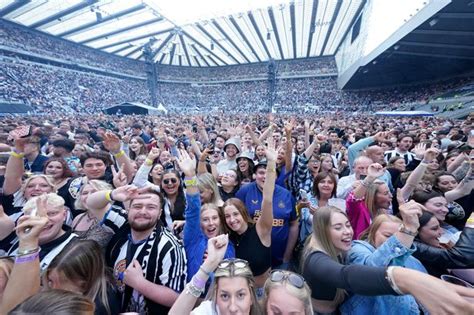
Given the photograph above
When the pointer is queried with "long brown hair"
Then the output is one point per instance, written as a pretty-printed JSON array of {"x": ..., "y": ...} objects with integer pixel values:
[
  {"x": 320, "y": 240},
  {"x": 369, "y": 234},
  {"x": 83, "y": 263}
]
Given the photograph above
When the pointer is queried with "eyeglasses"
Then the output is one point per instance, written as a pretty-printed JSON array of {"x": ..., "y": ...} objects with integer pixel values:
[
  {"x": 168, "y": 180},
  {"x": 294, "y": 279}
]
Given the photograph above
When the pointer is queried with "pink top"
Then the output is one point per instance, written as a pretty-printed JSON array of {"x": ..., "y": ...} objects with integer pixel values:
[{"x": 359, "y": 215}]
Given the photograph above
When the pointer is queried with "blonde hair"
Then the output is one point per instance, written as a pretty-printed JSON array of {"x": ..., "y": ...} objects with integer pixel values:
[
  {"x": 48, "y": 179},
  {"x": 369, "y": 234},
  {"x": 96, "y": 184},
  {"x": 303, "y": 294},
  {"x": 320, "y": 240},
  {"x": 207, "y": 181},
  {"x": 52, "y": 199},
  {"x": 370, "y": 198}
]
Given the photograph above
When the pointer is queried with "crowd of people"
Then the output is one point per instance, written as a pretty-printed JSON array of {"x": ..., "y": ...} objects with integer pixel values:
[
  {"x": 232, "y": 214},
  {"x": 25, "y": 39},
  {"x": 57, "y": 90}
]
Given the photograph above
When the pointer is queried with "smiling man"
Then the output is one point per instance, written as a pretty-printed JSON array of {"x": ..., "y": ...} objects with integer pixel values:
[
  {"x": 149, "y": 263},
  {"x": 55, "y": 235}
]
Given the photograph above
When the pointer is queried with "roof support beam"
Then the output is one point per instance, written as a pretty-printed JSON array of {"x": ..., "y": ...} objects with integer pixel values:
[
  {"x": 74, "y": 8},
  {"x": 162, "y": 45},
  {"x": 133, "y": 51},
  {"x": 105, "y": 19},
  {"x": 204, "y": 47},
  {"x": 197, "y": 61},
  {"x": 181, "y": 39},
  {"x": 200, "y": 55},
  {"x": 432, "y": 55},
  {"x": 293, "y": 28},
  {"x": 443, "y": 32},
  {"x": 312, "y": 27},
  {"x": 121, "y": 49},
  {"x": 435, "y": 45},
  {"x": 212, "y": 59},
  {"x": 275, "y": 31},
  {"x": 456, "y": 15},
  {"x": 202, "y": 29},
  {"x": 13, "y": 6},
  {"x": 230, "y": 40},
  {"x": 331, "y": 25},
  {"x": 135, "y": 38},
  {"x": 257, "y": 30},
  {"x": 173, "y": 49},
  {"x": 349, "y": 27},
  {"x": 239, "y": 30},
  {"x": 120, "y": 30},
  {"x": 161, "y": 59}
]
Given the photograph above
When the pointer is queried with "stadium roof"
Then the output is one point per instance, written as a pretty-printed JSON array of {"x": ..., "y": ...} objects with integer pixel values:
[
  {"x": 278, "y": 30},
  {"x": 441, "y": 47}
]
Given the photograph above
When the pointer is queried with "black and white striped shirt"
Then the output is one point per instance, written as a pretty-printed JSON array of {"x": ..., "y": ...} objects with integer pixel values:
[
  {"x": 407, "y": 156},
  {"x": 161, "y": 256}
]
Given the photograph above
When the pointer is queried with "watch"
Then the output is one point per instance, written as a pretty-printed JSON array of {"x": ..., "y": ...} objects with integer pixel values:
[{"x": 404, "y": 230}]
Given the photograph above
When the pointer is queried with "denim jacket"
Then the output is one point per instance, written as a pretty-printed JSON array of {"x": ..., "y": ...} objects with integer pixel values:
[{"x": 391, "y": 253}]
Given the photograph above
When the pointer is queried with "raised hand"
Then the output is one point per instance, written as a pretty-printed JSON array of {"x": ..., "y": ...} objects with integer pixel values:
[
  {"x": 127, "y": 192},
  {"x": 420, "y": 150},
  {"x": 111, "y": 142},
  {"x": 381, "y": 136},
  {"x": 410, "y": 212},
  {"x": 31, "y": 225},
  {"x": 375, "y": 170},
  {"x": 290, "y": 125},
  {"x": 153, "y": 154},
  {"x": 186, "y": 164},
  {"x": 119, "y": 177},
  {"x": 431, "y": 154},
  {"x": 216, "y": 248}
]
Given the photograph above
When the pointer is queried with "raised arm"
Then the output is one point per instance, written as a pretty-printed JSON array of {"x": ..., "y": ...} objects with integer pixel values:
[
  {"x": 288, "y": 150},
  {"x": 265, "y": 222},
  {"x": 141, "y": 177},
  {"x": 415, "y": 177},
  {"x": 374, "y": 171},
  {"x": 314, "y": 145},
  {"x": 15, "y": 167},
  {"x": 216, "y": 248},
  {"x": 112, "y": 144},
  {"x": 464, "y": 188}
]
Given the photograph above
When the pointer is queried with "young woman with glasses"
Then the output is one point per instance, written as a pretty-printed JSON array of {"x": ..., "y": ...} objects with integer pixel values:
[
  {"x": 332, "y": 282},
  {"x": 233, "y": 288}
]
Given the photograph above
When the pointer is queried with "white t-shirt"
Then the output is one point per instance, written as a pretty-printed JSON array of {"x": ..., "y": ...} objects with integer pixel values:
[{"x": 205, "y": 308}]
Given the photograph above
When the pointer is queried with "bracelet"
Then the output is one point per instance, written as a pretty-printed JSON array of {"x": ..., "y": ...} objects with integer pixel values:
[
  {"x": 119, "y": 154},
  {"x": 24, "y": 252},
  {"x": 365, "y": 183},
  {"x": 190, "y": 182},
  {"x": 108, "y": 196},
  {"x": 199, "y": 283},
  {"x": 148, "y": 162},
  {"x": 404, "y": 230},
  {"x": 27, "y": 258},
  {"x": 192, "y": 290},
  {"x": 205, "y": 271},
  {"x": 470, "y": 221},
  {"x": 17, "y": 155},
  {"x": 424, "y": 162},
  {"x": 389, "y": 277}
]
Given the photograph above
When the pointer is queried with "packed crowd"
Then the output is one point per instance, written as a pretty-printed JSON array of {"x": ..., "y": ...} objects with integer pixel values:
[
  {"x": 22, "y": 38},
  {"x": 323, "y": 65},
  {"x": 232, "y": 214},
  {"x": 52, "y": 89}
]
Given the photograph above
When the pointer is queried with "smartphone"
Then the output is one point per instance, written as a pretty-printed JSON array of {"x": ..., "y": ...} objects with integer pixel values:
[
  {"x": 22, "y": 132},
  {"x": 303, "y": 194},
  {"x": 211, "y": 146}
]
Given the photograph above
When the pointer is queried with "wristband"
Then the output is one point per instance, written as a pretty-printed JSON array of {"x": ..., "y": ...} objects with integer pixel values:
[
  {"x": 199, "y": 283},
  {"x": 389, "y": 277},
  {"x": 190, "y": 182},
  {"x": 17, "y": 155},
  {"x": 148, "y": 162},
  {"x": 192, "y": 290},
  {"x": 205, "y": 271},
  {"x": 108, "y": 196},
  {"x": 470, "y": 221},
  {"x": 27, "y": 258},
  {"x": 424, "y": 162},
  {"x": 365, "y": 183},
  {"x": 119, "y": 154},
  {"x": 24, "y": 252},
  {"x": 404, "y": 230}
]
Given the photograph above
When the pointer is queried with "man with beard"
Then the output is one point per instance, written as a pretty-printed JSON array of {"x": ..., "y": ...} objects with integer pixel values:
[{"x": 148, "y": 262}]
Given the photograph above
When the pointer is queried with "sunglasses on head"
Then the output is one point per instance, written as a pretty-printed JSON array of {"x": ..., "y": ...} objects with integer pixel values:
[
  {"x": 168, "y": 180},
  {"x": 236, "y": 262},
  {"x": 294, "y": 279}
]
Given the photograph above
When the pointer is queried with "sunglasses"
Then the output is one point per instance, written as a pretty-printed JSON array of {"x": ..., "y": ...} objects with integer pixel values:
[
  {"x": 294, "y": 279},
  {"x": 168, "y": 180},
  {"x": 236, "y": 262},
  {"x": 229, "y": 267}
]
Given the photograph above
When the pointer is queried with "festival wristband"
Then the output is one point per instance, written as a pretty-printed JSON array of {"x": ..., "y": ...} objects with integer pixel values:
[
  {"x": 120, "y": 154},
  {"x": 26, "y": 258},
  {"x": 17, "y": 155},
  {"x": 190, "y": 182},
  {"x": 148, "y": 162}
]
